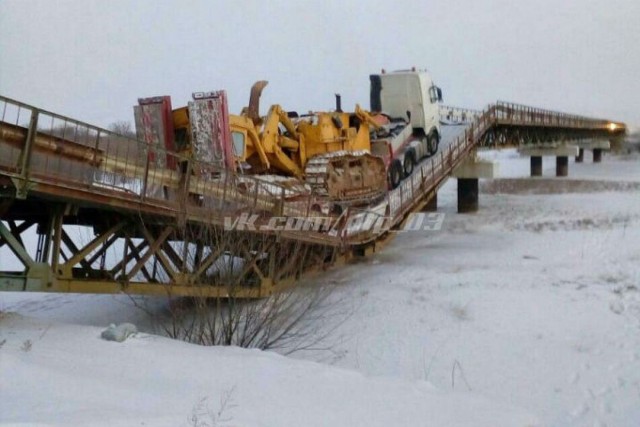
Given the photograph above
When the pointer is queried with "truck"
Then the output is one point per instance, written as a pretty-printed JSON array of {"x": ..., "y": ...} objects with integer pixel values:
[
  {"x": 403, "y": 124},
  {"x": 328, "y": 152},
  {"x": 351, "y": 158},
  {"x": 406, "y": 104}
]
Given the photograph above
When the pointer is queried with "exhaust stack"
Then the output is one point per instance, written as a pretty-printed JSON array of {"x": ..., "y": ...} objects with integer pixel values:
[
  {"x": 338, "y": 103},
  {"x": 254, "y": 100}
]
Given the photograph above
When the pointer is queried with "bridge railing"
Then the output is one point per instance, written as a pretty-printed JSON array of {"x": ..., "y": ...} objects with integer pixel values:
[
  {"x": 364, "y": 225},
  {"x": 45, "y": 148},
  {"x": 508, "y": 112},
  {"x": 434, "y": 171}
]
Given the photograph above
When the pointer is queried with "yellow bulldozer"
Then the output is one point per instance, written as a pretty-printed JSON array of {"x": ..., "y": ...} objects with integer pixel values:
[{"x": 329, "y": 151}]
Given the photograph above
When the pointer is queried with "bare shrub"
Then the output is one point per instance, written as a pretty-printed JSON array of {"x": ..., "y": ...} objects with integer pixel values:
[
  {"x": 26, "y": 346},
  {"x": 457, "y": 364},
  {"x": 203, "y": 416},
  {"x": 301, "y": 318},
  {"x": 298, "y": 319},
  {"x": 122, "y": 127},
  {"x": 459, "y": 311}
]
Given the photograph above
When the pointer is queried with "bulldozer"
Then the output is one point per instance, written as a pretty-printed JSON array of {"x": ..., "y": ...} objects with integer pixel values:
[{"x": 328, "y": 151}]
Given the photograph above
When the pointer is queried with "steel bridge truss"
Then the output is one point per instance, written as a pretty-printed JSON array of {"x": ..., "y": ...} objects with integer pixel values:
[
  {"x": 83, "y": 250},
  {"x": 517, "y": 125}
]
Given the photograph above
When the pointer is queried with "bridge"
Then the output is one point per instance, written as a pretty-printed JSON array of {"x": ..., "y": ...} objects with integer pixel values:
[{"x": 114, "y": 214}]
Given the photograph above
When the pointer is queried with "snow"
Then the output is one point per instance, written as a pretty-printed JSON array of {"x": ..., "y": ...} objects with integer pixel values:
[
  {"x": 541, "y": 313},
  {"x": 535, "y": 297},
  {"x": 69, "y": 376},
  {"x": 450, "y": 133},
  {"x": 530, "y": 306}
]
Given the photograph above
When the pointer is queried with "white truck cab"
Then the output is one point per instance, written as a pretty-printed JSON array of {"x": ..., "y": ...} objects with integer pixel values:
[
  {"x": 411, "y": 98},
  {"x": 410, "y": 95}
]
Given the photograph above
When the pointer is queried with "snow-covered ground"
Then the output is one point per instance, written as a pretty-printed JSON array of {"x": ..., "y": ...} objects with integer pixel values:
[
  {"x": 68, "y": 376},
  {"x": 530, "y": 306}
]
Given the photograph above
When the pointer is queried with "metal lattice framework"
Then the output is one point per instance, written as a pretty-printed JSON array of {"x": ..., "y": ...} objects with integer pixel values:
[{"x": 109, "y": 217}]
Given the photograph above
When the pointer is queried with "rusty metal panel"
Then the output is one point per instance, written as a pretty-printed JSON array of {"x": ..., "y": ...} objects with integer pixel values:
[
  {"x": 211, "y": 136},
  {"x": 154, "y": 125}
]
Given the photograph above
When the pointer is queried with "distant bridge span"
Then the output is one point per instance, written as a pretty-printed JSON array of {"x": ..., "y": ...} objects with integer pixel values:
[{"x": 159, "y": 230}]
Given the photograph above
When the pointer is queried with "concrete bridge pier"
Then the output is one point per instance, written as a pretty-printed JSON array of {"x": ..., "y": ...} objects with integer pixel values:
[
  {"x": 560, "y": 152},
  {"x": 432, "y": 204},
  {"x": 562, "y": 166},
  {"x": 597, "y": 155},
  {"x": 468, "y": 174},
  {"x": 467, "y": 195},
  {"x": 597, "y": 146},
  {"x": 536, "y": 165}
]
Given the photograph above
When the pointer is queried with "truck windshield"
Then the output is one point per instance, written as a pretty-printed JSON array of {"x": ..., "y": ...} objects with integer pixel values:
[
  {"x": 238, "y": 143},
  {"x": 433, "y": 94}
]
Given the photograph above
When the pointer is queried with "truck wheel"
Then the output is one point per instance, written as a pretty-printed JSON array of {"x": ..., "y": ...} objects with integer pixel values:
[
  {"x": 409, "y": 162},
  {"x": 395, "y": 173},
  {"x": 433, "y": 140}
]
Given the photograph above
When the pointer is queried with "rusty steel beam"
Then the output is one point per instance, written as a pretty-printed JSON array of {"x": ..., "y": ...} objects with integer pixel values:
[
  {"x": 154, "y": 246},
  {"x": 66, "y": 268},
  {"x": 131, "y": 251},
  {"x": 16, "y": 246},
  {"x": 18, "y": 137},
  {"x": 135, "y": 251}
]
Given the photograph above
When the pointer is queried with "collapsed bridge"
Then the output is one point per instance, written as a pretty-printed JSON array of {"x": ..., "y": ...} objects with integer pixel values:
[{"x": 117, "y": 214}]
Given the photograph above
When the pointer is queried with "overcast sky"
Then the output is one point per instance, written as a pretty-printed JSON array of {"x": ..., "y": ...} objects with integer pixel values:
[{"x": 92, "y": 59}]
